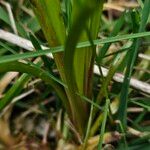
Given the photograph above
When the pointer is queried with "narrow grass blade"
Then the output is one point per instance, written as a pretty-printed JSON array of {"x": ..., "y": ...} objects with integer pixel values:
[
  {"x": 88, "y": 128},
  {"x": 123, "y": 142},
  {"x": 4, "y": 16},
  {"x": 115, "y": 31},
  {"x": 112, "y": 69},
  {"x": 103, "y": 91},
  {"x": 14, "y": 90},
  {"x": 89, "y": 101},
  {"x": 106, "y": 108},
  {"x": 37, "y": 72},
  {"x": 141, "y": 3},
  {"x": 58, "y": 49},
  {"x": 37, "y": 46},
  {"x": 122, "y": 112},
  {"x": 7, "y": 48},
  {"x": 142, "y": 105}
]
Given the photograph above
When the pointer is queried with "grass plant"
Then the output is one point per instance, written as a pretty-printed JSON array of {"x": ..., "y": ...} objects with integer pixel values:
[{"x": 71, "y": 29}]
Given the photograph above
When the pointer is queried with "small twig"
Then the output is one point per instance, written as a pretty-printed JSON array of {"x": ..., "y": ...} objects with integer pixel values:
[
  {"x": 135, "y": 110},
  {"x": 146, "y": 57},
  {"x": 19, "y": 41},
  {"x": 135, "y": 132},
  {"x": 118, "y": 77},
  {"x": 45, "y": 134}
]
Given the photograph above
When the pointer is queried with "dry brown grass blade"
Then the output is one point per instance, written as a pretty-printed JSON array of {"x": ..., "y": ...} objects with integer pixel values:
[
  {"x": 108, "y": 138},
  {"x": 6, "y": 79},
  {"x": 5, "y": 133},
  {"x": 120, "y": 6}
]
